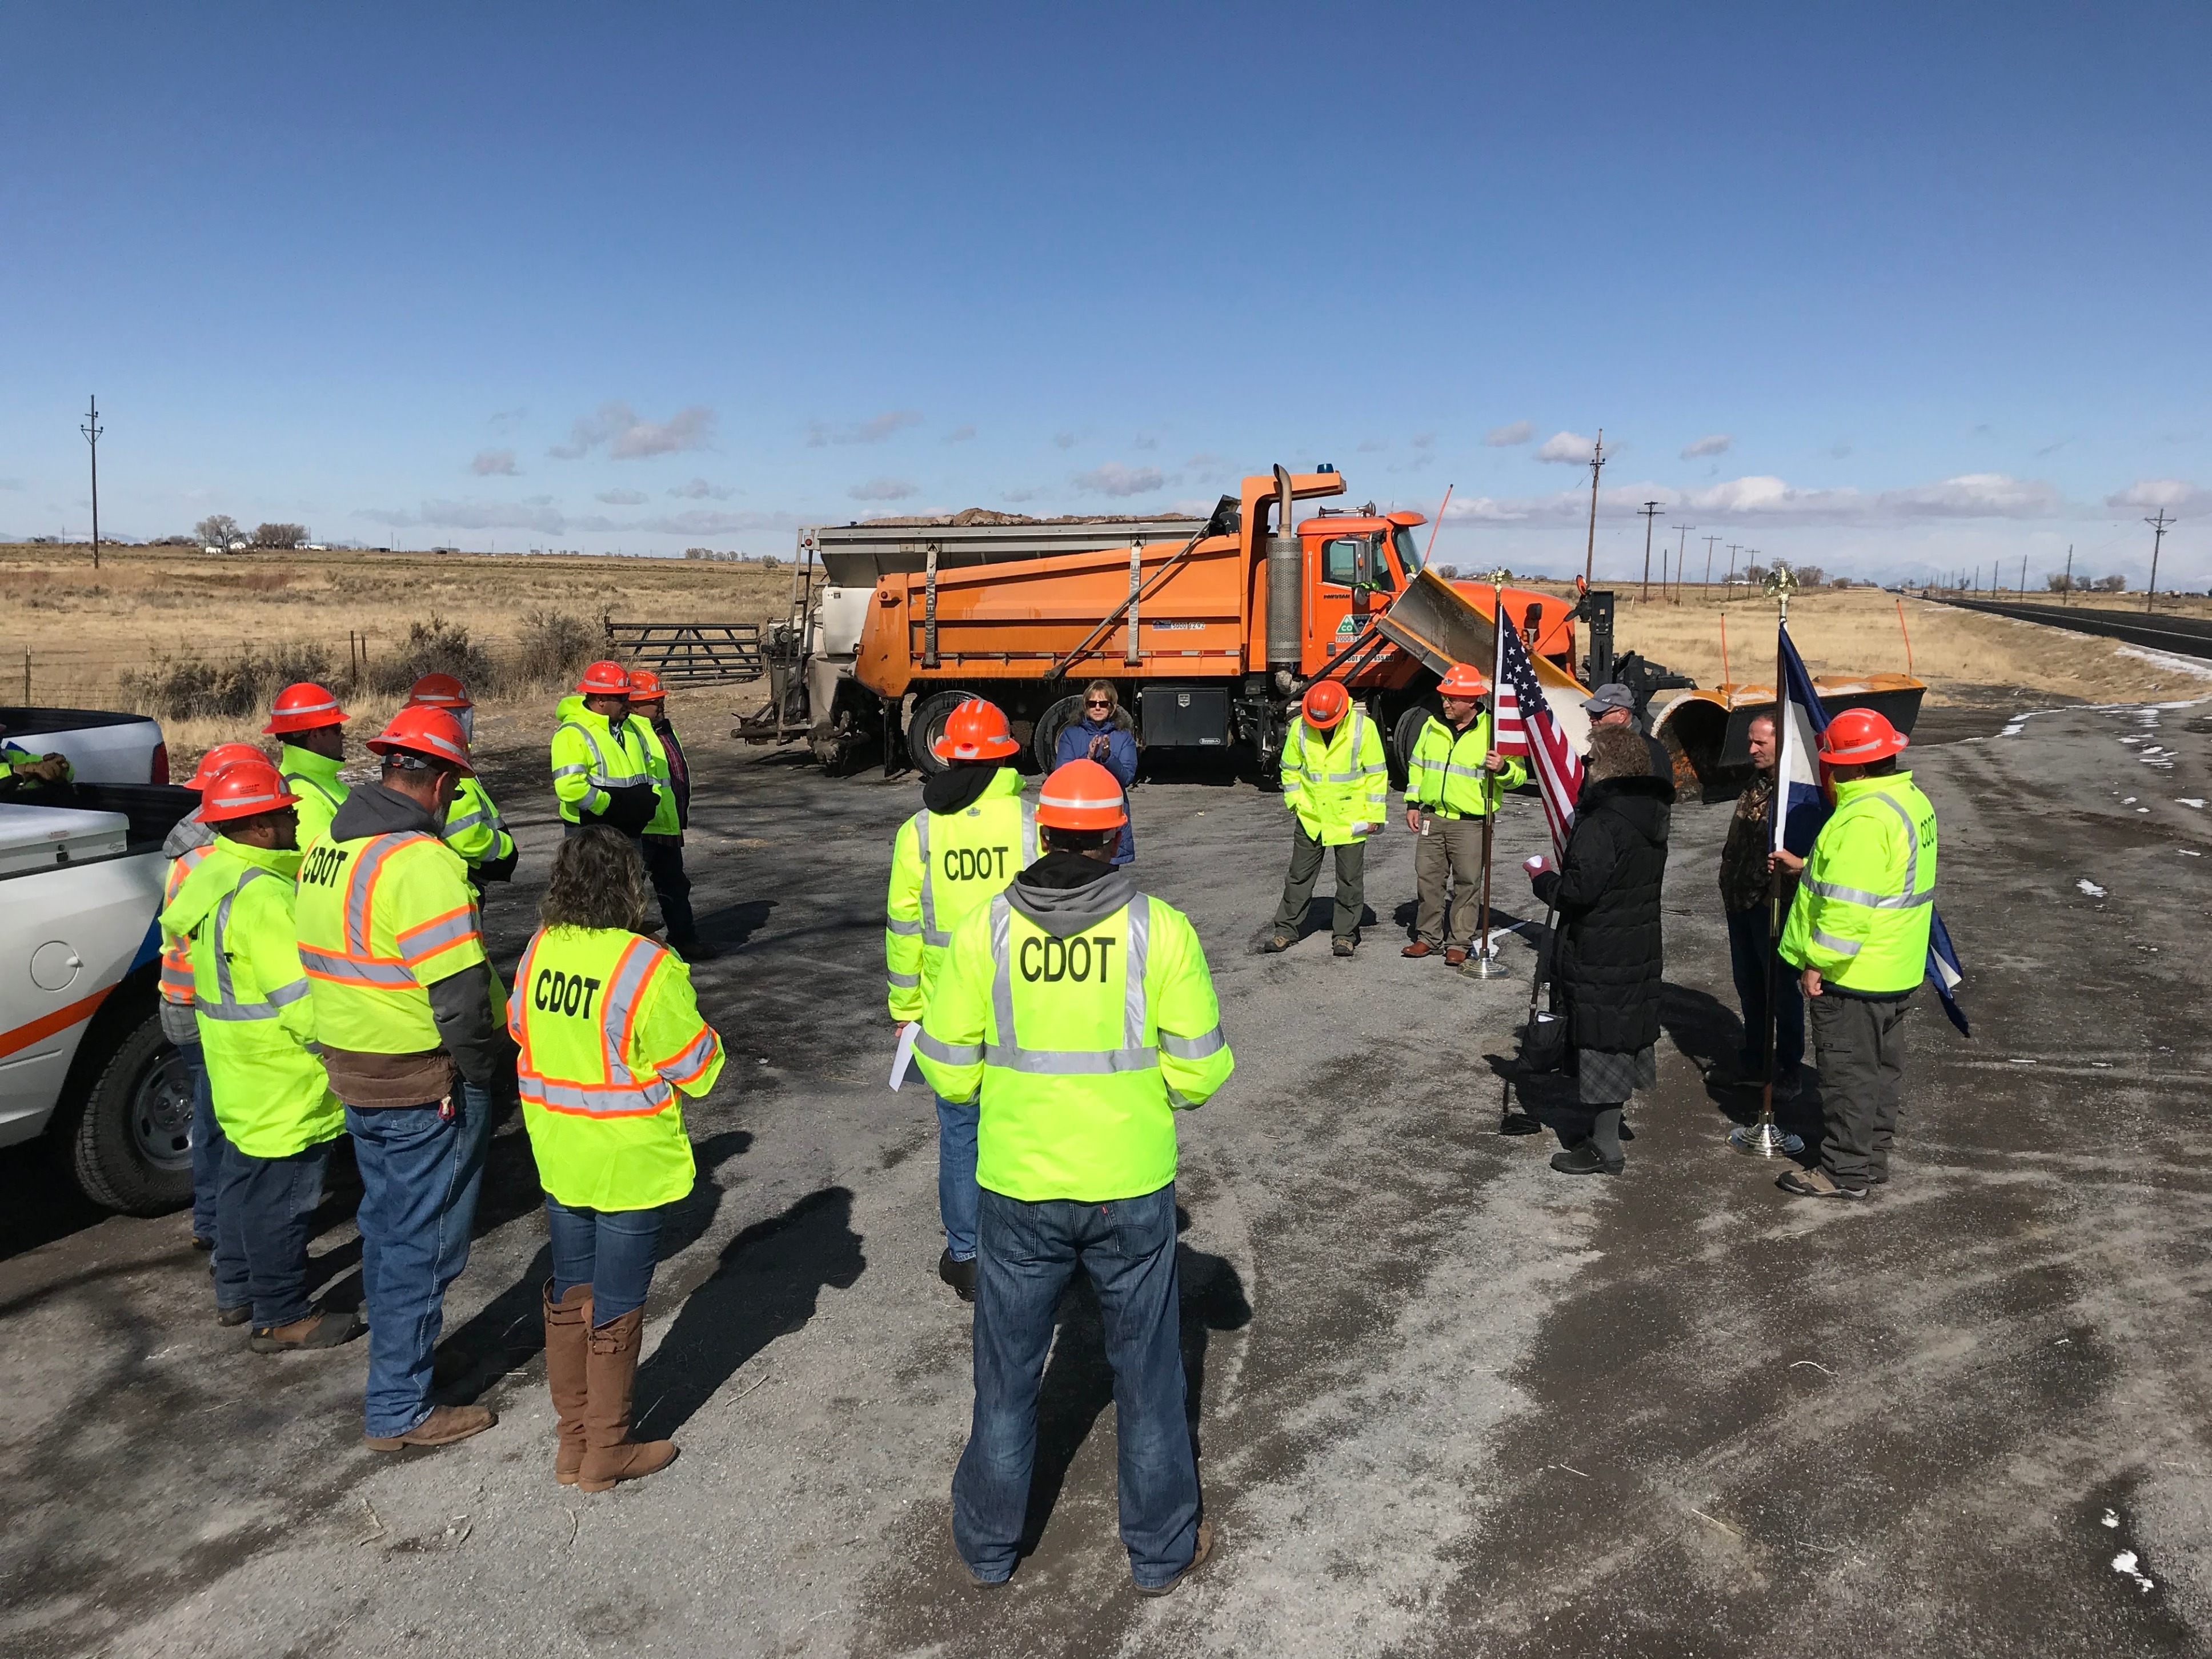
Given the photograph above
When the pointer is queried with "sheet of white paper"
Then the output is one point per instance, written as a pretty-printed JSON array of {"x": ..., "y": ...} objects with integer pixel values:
[{"x": 904, "y": 1057}]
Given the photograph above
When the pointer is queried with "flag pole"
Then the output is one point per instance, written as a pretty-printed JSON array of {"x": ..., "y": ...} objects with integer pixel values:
[
  {"x": 1484, "y": 963},
  {"x": 1765, "y": 1138}
]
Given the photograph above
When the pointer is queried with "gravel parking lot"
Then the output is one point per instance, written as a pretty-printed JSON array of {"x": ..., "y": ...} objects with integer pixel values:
[{"x": 1449, "y": 1401}]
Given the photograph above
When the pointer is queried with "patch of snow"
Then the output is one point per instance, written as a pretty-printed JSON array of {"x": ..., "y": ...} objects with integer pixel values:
[
  {"x": 2112, "y": 1517},
  {"x": 2188, "y": 852},
  {"x": 2191, "y": 800},
  {"x": 2125, "y": 1565},
  {"x": 2090, "y": 888}
]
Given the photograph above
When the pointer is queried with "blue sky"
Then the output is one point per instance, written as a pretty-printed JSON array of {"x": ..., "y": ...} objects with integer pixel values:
[{"x": 1887, "y": 288}]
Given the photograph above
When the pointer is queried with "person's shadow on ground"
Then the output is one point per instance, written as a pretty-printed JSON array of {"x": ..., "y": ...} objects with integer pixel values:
[
  {"x": 770, "y": 1283},
  {"x": 1078, "y": 1382}
]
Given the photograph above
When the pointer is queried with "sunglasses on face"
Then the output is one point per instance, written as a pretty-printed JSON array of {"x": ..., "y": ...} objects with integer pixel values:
[{"x": 1101, "y": 704}]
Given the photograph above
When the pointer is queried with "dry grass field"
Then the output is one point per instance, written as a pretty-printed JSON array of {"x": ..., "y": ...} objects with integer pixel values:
[{"x": 159, "y": 617}]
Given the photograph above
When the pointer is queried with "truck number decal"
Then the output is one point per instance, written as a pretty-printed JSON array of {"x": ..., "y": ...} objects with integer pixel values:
[{"x": 1042, "y": 957}]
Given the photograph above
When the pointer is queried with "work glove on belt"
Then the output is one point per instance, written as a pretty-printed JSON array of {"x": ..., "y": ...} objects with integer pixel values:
[{"x": 630, "y": 807}]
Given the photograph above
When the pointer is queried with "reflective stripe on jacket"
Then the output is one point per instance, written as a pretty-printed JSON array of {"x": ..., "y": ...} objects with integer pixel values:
[
  {"x": 176, "y": 949},
  {"x": 942, "y": 867},
  {"x": 255, "y": 1014},
  {"x": 1334, "y": 779},
  {"x": 589, "y": 756},
  {"x": 610, "y": 1032},
  {"x": 1128, "y": 1009},
  {"x": 314, "y": 779},
  {"x": 1864, "y": 905},
  {"x": 1444, "y": 774},
  {"x": 473, "y": 826},
  {"x": 382, "y": 918}
]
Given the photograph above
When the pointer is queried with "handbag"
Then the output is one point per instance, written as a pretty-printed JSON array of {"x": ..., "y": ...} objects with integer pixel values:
[{"x": 1544, "y": 1042}]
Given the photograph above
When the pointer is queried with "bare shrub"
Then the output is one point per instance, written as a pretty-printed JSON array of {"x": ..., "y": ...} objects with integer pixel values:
[
  {"x": 436, "y": 647},
  {"x": 555, "y": 645},
  {"x": 189, "y": 686}
]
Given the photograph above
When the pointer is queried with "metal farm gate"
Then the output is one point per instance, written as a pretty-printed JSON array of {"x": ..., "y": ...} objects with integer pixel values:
[{"x": 690, "y": 653}]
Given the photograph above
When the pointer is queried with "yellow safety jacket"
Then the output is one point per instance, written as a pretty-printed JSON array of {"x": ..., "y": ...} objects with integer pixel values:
[
  {"x": 1334, "y": 779},
  {"x": 256, "y": 1017},
  {"x": 314, "y": 779},
  {"x": 473, "y": 827},
  {"x": 591, "y": 756},
  {"x": 942, "y": 867},
  {"x": 15, "y": 758},
  {"x": 1446, "y": 776},
  {"x": 1864, "y": 905},
  {"x": 176, "y": 948},
  {"x": 381, "y": 919},
  {"x": 609, "y": 1033},
  {"x": 1128, "y": 1011},
  {"x": 666, "y": 820}
]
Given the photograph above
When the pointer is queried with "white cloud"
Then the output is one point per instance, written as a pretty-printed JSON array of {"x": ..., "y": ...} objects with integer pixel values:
[
  {"x": 1116, "y": 479},
  {"x": 699, "y": 490},
  {"x": 1024, "y": 494},
  {"x": 704, "y": 522},
  {"x": 622, "y": 497},
  {"x": 1504, "y": 437},
  {"x": 873, "y": 431},
  {"x": 495, "y": 463},
  {"x": 1063, "y": 440},
  {"x": 1143, "y": 441},
  {"x": 1713, "y": 443},
  {"x": 538, "y": 515},
  {"x": 960, "y": 435},
  {"x": 1567, "y": 448},
  {"x": 1975, "y": 495},
  {"x": 503, "y": 418},
  {"x": 2176, "y": 496},
  {"x": 628, "y": 438},
  {"x": 1424, "y": 440},
  {"x": 883, "y": 490},
  {"x": 1204, "y": 461}
]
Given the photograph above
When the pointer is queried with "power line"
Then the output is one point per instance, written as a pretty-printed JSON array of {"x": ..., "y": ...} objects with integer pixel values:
[
  {"x": 1590, "y": 552},
  {"x": 1649, "y": 510}
]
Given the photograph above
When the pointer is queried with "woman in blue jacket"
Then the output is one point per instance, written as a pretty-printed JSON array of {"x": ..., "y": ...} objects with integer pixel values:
[{"x": 1100, "y": 736}]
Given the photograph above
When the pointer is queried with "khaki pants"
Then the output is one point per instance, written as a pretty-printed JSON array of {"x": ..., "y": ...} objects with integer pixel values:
[
  {"x": 1453, "y": 848},
  {"x": 1306, "y": 855}
]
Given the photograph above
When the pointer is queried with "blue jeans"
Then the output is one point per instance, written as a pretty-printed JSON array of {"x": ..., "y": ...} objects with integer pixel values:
[
  {"x": 419, "y": 1177},
  {"x": 610, "y": 1251},
  {"x": 955, "y": 1176},
  {"x": 267, "y": 1203},
  {"x": 208, "y": 1142},
  {"x": 1749, "y": 951},
  {"x": 1030, "y": 1252}
]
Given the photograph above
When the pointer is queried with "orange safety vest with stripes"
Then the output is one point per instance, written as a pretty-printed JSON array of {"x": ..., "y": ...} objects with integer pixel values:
[
  {"x": 382, "y": 918},
  {"x": 177, "y": 948},
  {"x": 610, "y": 1037}
]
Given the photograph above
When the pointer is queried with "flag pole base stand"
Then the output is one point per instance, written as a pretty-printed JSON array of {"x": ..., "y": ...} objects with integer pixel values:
[
  {"x": 1484, "y": 965},
  {"x": 1765, "y": 1138}
]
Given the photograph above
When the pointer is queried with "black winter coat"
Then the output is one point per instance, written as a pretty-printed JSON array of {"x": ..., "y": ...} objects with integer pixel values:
[{"x": 1607, "y": 960}]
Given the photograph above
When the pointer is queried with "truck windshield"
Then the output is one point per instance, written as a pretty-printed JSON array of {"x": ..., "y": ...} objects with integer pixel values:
[{"x": 1409, "y": 552}]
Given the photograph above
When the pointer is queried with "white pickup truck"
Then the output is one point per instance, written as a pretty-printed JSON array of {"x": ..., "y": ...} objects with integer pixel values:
[{"x": 82, "y": 1054}]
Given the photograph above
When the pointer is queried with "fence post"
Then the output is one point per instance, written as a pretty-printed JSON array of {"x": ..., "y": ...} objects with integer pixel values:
[{"x": 27, "y": 679}]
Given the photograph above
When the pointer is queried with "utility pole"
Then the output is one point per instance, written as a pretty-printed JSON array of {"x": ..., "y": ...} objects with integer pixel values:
[
  {"x": 1683, "y": 540},
  {"x": 1590, "y": 552},
  {"x": 1731, "y": 575},
  {"x": 2159, "y": 527},
  {"x": 2066, "y": 593},
  {"x": 92, "y": 429},
  {"x": 2023, "y": 577},
  {"x": 1710, "y": 540},
  {"x": 1648, "y": 512}
]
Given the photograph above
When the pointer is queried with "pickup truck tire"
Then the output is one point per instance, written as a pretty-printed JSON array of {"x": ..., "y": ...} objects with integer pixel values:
[{"x": 130, "y": 1147}]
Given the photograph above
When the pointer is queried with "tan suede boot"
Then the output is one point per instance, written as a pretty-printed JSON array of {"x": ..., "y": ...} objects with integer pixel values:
[
  {"x": 610, "y": 1454},
  {"x": 567, "y": 1351}
]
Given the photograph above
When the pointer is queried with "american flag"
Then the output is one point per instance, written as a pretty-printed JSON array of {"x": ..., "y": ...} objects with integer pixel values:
[{"x": 1535, "y": 735}]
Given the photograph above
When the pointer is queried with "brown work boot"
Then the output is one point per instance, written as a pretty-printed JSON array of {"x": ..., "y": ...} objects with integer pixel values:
[
  {"x": 443, "y": 1425},
  {"x": 317, "y": 1330},
  {"x": 568, "y": 1349},
  {"x": 1197, "y": 1560},
  {"x": 1454, "y": 954},
  {"x": 1341, "y": 946},
  {"x": 1277, "y": 942},
  {"x": 610, "y": 1454},
  {"x": 1419, "y": 948}
]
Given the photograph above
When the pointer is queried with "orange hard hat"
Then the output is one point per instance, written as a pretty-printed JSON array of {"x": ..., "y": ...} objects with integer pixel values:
[
  {"x": 219, "y": 758},
  {"x": 975, "y": 731},
  {"x": 245, "y": 789},
  {"x": 605, "y": 679},
  {"x": 303, "y": 708},
  {"x": 1463, "y": 680},
  {"x": 1858, "y": 737},
  {"x": 433, "y": 733},
  {"x": 1081, "y": 795},
  {"x": 645, "y": 685},
  {"x": 439, "y": 692},
  {"x": 1326, "y": 702}
]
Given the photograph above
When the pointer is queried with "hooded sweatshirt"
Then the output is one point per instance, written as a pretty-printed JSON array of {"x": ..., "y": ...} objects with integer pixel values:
[
  {"x": 472, "y": 1041},
  {"x": 959, "y": 785},
  {"x": 1065, "y": 893}
]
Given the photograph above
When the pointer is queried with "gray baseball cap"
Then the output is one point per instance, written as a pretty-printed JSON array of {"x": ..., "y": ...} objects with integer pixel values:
[{"x": 1612, "y": 696}]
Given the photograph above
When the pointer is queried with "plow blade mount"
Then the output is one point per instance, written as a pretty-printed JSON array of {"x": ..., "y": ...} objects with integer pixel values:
[{"x": 1438, "y": 626}]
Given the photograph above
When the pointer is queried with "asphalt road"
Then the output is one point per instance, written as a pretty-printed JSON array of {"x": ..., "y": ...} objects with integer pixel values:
[
  {"x": 2185, "y": 636},
  {"x": 1449, "y": 1401}
]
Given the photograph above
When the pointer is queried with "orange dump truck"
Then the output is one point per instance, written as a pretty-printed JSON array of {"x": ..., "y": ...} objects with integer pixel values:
[{"x": 1210, "y": 632}]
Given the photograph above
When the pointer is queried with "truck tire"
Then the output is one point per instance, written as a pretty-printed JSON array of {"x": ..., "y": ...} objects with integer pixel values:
[
  {"x": 130, "y": 1147},
  {"x": 927, "y": 725}
]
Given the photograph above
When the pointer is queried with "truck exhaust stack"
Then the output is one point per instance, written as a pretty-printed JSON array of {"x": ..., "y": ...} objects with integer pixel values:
[{"x": 1285, "y": 586}]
